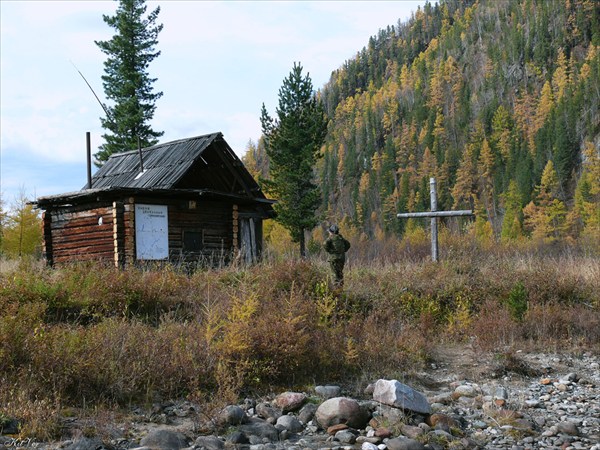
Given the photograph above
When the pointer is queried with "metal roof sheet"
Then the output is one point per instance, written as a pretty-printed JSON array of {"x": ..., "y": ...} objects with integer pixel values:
[
  {"x": 202, "y": 166},
  {"x": 164, "y": 164}
]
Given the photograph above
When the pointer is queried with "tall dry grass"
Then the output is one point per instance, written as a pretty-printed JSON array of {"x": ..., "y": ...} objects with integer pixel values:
[{"x": 89, "y": 335}]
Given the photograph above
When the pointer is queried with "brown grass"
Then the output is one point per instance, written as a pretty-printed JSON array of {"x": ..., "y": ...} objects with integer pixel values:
[{"x": 91, "y": 336}]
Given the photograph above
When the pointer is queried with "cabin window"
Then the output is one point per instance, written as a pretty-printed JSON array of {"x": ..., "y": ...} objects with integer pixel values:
[{"x": 193, "y": 240}]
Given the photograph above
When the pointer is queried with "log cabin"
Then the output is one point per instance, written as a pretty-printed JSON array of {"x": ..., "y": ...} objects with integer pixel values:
[{"x": 189, "y": 201}]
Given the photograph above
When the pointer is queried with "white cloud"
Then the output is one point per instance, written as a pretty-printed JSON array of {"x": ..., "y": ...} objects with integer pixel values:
[{"x": 220, "y": 61}]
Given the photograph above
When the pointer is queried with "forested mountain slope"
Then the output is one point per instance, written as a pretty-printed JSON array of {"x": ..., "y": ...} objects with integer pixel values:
[{"x": 498, "y": 100}]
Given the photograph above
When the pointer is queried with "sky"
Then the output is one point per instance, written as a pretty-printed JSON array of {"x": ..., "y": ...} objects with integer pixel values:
[{"x": 219, "y": 62}]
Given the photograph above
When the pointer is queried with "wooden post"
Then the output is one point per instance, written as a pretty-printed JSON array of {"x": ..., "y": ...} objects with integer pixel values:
[
  {"x": 118, "y": 234},
  {"x": 433, "y": 215},
  {"x": 433, "y": 220}
]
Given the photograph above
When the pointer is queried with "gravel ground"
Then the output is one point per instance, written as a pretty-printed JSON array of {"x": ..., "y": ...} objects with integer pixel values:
[{"x": 518, "y": 402}]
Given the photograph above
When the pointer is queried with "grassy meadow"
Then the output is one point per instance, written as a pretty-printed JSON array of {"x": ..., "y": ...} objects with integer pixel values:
[{"x": 92, "y": 337}]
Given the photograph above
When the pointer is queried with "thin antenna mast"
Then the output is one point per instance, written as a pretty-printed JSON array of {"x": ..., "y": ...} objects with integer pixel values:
[
  {"x": 93, "y": 92},
  {"x": 108, "y": 117}
]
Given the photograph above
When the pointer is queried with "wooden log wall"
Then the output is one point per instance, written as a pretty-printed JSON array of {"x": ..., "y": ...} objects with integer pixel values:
[
  {"x": 80, "y": 233},
  {"x": 213, "y": 220},
  {"x": 75, "y": 233}
]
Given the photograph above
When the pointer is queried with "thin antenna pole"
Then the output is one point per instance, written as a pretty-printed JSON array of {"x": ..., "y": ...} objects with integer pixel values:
[{"x": 93, "y": 92}]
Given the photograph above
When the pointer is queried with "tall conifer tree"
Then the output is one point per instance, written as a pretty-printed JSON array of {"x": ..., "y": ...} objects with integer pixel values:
[
  {"x": 126, "y": 80},
  {"x": 292, "y": 142}
]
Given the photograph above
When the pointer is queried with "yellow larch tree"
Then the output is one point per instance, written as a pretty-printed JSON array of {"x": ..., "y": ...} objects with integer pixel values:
[
  {"x": 511, "y": 222},
  {"x": 436, "y": 88},
  {"x": 501, "y": 132},
  {"x": 21, "y": 229},
  {"x": 439, "y": 135},
  {"x": 560, "y": 78},
  {"x": 545, "y": 216},
  {"x": 428, "y": 166},
  {"x": 487, "y": 195},
  {"x": 544, "y": 106},
  {"x": 464, "y": 191},
  {"x": 584, "y": 218},
  {"x": 524, "y": 118},
  {"x": 453, "y": 78}
]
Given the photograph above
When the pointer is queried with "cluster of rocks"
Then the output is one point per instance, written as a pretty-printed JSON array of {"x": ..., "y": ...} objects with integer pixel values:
[{"x": 550, "y": 411}]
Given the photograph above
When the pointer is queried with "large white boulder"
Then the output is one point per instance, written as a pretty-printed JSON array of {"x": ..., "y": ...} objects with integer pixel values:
[{"x": 398, "y": 395}]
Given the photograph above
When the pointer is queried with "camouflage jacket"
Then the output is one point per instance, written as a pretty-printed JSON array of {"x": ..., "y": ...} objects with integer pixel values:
[{"x": 337, "y": 246}]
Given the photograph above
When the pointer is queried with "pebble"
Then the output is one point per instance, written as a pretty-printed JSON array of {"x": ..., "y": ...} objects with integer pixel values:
[{"x": 558, "y": 412}]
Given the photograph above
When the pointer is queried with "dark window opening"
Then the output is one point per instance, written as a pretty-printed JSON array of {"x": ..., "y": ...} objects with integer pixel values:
[{"x": 193, "y": 241}]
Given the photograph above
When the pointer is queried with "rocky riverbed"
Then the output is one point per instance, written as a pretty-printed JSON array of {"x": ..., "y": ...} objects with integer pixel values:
[{"x": 463, "y": 400}]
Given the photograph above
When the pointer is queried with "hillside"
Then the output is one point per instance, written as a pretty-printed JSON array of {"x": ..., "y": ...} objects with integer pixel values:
[{"x": 499, "y": 101}]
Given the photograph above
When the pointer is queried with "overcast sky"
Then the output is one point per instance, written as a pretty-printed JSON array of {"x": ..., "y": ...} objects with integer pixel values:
[{"x": 220, "y": 61}]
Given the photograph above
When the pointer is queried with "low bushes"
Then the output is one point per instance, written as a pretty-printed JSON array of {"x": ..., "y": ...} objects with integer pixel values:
[{"x": 97, "y": 335}]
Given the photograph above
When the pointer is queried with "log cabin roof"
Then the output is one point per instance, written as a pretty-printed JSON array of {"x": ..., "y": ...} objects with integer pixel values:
[
  {"x": 166, "y": 166},
  {"x": 96, "y": 195},
  {"x": 198, "y": 166}
]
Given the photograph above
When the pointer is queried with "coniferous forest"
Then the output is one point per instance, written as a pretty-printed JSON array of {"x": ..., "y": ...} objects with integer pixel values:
[{"x": 498, "y": 100}]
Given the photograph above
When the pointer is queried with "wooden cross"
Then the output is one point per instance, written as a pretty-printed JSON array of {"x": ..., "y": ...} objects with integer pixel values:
[{"x": 434, "y": 214}]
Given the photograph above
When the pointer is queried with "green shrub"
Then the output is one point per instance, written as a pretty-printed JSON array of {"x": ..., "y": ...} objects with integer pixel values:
[{"x": 517, "y": 301}]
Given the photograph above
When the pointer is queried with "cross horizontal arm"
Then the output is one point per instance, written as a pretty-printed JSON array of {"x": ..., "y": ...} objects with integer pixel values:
[{"x": 465, "y": 212}]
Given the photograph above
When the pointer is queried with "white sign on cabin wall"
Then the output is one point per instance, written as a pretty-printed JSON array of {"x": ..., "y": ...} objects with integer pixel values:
[{"x": 151, "y": 232}]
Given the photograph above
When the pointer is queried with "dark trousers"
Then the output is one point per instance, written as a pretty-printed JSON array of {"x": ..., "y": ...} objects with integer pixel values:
[{"x": 337, "y": 267}]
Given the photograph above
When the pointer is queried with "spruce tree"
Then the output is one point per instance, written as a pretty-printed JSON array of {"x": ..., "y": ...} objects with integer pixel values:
[
  {"x": 293, "y": 141},
  {"x": 126, "y": 81}
]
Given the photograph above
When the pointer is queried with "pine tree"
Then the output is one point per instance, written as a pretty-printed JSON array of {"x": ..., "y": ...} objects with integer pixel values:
[
  {"x": 293, "y": 141},
  {"x": 126, "y": 81}
]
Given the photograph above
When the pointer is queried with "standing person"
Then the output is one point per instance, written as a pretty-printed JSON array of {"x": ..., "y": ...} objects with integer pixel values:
[{"x": 337, "y": 246}]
